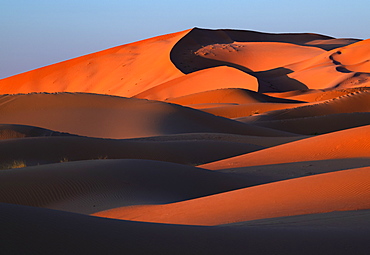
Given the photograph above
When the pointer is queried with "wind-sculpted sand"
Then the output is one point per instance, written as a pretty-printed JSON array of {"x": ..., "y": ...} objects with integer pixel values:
[{"x": 197, "y": 142}]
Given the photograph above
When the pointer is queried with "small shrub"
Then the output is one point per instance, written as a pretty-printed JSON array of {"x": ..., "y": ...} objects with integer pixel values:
[
  {"x": 13, "y": 164},
  {"x": 63, "y": 160}
]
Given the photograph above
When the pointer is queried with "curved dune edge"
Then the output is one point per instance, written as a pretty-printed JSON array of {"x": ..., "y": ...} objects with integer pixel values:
[
  {"x": 114, "y": 236},
  {"x": 259, "y": 56},
  {"x": 333, "y": 69},
  {"x": 182, "y": 149},
  {"x": 315, "y": 95},
  {"x": 353, "y": 102},
  {"x": 344, "y": 103},
  {"x": 183, "y": 52},
  {"x": 123, "y": 70},
  {"x": 350, "y": 143},
  {"x": 238, "y": 111},
  {"x": 228, "y": 95},
  {"x": 337, "y": 191},
  {"x": 316, "y": 125},
  {"x": 332, "y": 219},
  {"x": 12, "y": 131},
  {"x": 94, "y": 185},
  {"x": 107, "y": 116},
  {"x": 208, "y": 79},
  {"x": 285, "y": 171}
]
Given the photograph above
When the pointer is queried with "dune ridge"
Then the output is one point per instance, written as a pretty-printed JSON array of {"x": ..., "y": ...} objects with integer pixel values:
[
  {"x": 91, "y": 185},
  {"x": 88, "y": 115},
  {"x": 336, "y": 145},
  {"x": 314, "y": 194},
  {"x": 115, "y": 236},
  {"x": 189, "y": 150},
  {"x": 115, "y": 71}
]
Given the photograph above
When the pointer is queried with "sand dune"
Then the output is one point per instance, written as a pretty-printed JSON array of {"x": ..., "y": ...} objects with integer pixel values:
[
  {"x": 204, "y": 80},
  {"x": 337, "y": 145},
  {"x": 115, "y": 71},
  {"x": 185, "y": 60},
  {"x": 115, "y": 117},
  {"x": 95, "y": 185},
  {"x": 332, "y": 219},
  {"x": 316, "y": 125},
  {"x": 238, "y": 111},
  {"x": 259, "y": 56},
  {"x": 315, "y": 95},
  {"x": 230, "y": 95},
  {"x": 285, "y": 171},
  {"x": 355, "y": 57},
  {"x": 189, "y": 150},
  {"x": 329, "y": 44},
  {"x": 334, "y": 68},
  {"x": 9, "y": 131},
  {"x": 113, "y": 236},
  {"x": 350, "y": 103},
  {"x": 234, "y": 103},
  {"x": 136, "y": 132},
  {"x": 337, "y": 191}
]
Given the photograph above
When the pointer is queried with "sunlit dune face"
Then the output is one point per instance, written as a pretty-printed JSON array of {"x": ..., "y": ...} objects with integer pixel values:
[
  {"x": 124, "y": 70},
  {"x": 259, "y": 56},
  {"x": 347, "y": 190}
]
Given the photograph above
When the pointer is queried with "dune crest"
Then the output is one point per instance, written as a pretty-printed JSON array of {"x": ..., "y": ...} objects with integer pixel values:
[
  {"x": 315, "y": 194},
  {"x": 115, "y": 71},
  {"x": 340, "y": 144},
  {"x": 201, "y": 81}
]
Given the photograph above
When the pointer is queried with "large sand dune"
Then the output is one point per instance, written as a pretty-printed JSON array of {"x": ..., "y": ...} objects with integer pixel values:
[
  {"x": 197, "y": 142},
  {"x": 44, "y": 231},
  {"x": 115, "y": 117},
  {"x": 340, "y": 144},
  {"x": 338, "y": 191}
]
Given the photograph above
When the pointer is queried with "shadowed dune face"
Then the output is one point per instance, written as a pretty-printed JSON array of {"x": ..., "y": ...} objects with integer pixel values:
[
  {"x": 9, "y": 131},
  {"x": 183, "y": 53},
  {"x": 192, "y": 149},
  {"x": 117, "y": 236},
  {"x": 268, "y": 57},
  {"x": 264, "y": 137},
  {"x": 116, "y": 117},
  {"x": 95, "y": 185}
]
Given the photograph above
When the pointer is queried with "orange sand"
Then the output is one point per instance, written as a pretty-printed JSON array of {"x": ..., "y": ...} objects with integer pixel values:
[
  {"x": 339, "y": 191},
  {"x": 267, "y": 134},
  {"x": 341, "y": 144}
]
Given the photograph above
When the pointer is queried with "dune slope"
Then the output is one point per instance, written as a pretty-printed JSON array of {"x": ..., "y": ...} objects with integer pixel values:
[
  {"x": 44, "y": 231},
  {"x": 115, "y": 117},
  {"x": 115, "y": 71},
  {"x": 337, "y": 145},
  {"x": 95, "y": 185},
  {"x": 337, "y": 191}
]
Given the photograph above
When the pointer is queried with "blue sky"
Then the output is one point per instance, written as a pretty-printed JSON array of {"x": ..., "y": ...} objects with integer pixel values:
[{"x": 36, "y": 33}]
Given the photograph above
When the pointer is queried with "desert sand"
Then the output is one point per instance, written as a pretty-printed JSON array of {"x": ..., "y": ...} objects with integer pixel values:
[{"x": 197, "y": 142}]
